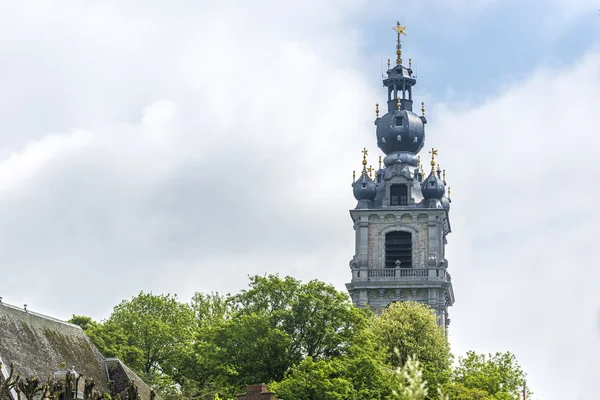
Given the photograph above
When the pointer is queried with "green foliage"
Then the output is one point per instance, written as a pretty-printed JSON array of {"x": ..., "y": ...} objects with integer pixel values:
[
  {"x": 458, "y": 391},
  {"x": 405, "y": 329},
  {"x": 499, "y": 375},
  {"x": 306, "y": 339},
  {"x": 84, "y": 322},
  {"x": 319, "y": 320},
  {"x": 413, "y": 386},
  {"x": 158, "y": 325},
  {"x": 319, "y": 380},
  {"x": 360, "y": 374}
]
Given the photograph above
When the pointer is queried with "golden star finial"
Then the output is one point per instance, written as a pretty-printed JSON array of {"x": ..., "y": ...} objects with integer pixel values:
[
  {"x": 370, "y": 171},
  {"x": 433, "y": 153},
  {"x": 365, "y": 152},
  {"x": 401, "y": 30}
]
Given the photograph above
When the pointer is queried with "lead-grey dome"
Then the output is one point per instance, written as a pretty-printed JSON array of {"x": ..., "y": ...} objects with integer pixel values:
[
  {"x": 445, "y": 202},
  {"x": 364, "y": 188},
  {"x": 400, "y": 131},
  {"x": 433, "y": 187}
]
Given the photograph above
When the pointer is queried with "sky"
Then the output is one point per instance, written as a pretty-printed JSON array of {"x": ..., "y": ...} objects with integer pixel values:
[{"x": 180, "y": 147}]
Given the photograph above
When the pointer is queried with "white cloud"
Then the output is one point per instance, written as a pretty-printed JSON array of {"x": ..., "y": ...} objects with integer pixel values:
[{"x": 522, "y": 250}]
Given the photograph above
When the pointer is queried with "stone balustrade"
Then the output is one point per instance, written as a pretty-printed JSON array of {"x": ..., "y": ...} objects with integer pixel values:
[{"x": 399, "y": 274}]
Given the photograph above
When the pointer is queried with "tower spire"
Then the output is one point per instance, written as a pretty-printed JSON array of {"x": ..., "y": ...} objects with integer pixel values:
[
  {"x": 401, "y": 30},
  {"x": 387, "y": 249}
]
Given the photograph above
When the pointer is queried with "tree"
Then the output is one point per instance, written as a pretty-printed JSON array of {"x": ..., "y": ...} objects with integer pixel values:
[
  {"x": 317, "y": 380},
  {"x": 458, "y": 391},
  {"x": 319, "y": 320},
  {"x": 110, "y": 339},
  {"x": 83, "y": 321},
  {"x": 413, "y": 386},
  {"x": 259, "y": 334},
  {"x": 360, "y": 374},
  {"x": 159, "y": 326},
  {"x": 498, "y": 375},
  {"x": 405, "y": 329}
]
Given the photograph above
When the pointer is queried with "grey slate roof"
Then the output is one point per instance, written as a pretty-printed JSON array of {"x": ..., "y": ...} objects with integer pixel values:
[{"x": 37, "y": 345}]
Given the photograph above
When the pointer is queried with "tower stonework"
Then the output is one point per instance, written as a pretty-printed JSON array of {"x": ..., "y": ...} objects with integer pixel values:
[{"x": 401, "y": 220}]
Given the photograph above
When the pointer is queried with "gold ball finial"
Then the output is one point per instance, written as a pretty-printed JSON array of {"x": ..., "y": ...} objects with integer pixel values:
[
  {"x": 377, "y": 110},
  {"x": 423, "y": 108},
  {"x": 399, "y": 104},
  {"x": 365, "y": 152}
]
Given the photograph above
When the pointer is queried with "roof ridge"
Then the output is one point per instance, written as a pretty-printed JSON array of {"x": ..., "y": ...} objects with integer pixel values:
[{"x": 3, "y": 304}]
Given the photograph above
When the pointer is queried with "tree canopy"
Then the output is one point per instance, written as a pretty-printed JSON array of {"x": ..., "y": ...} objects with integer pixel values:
[
  {"x": 406, "y": 329},
  {"x": 306, "y": 340}
]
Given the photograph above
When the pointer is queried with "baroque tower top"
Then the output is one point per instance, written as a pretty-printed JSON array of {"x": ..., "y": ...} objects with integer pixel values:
[{"x": 402, "y": 216}]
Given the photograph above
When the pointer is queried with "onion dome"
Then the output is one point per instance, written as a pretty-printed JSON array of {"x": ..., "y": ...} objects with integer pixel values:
[
  {"x": 445, "y": 202},
  {"x": 432, "y": 187},
  {"x": 400, "y": 130},
  {"x": 364, "y": 188}
]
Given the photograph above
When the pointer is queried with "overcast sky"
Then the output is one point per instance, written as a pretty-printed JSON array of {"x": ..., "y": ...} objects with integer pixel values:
[{"x": 180, "y": 146}]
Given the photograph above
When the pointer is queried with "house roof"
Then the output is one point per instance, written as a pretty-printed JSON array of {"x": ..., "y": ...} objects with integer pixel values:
[{"x": 37, "y": 345}]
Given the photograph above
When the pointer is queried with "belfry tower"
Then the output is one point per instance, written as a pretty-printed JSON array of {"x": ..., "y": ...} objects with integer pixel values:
[{"x": 401, "y": 219}]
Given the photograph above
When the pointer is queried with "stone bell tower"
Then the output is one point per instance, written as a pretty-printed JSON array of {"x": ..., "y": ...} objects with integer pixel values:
[{"x": 402, "y": 216}]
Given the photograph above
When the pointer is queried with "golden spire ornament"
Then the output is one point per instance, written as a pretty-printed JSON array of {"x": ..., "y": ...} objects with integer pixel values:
[
  {"x": 444, "y": 175},
  {"x": 399, "y": 103},
  {"x": 449, "y": 193},
  {"x": 433, "y": 153},
  {"x": 353, "y": 176},
  {"x": 401, "y": 30},
  {"x": 377, "y": 110},
  {"x": 370, "y": 171},
  {"x": 423, "y": 108},
  {"x": 410, "y": 63},
  {"x": 388, "y": 64},
  {"x": 379, "y": 162},
  {"x": 421, "y": 169},
  {"x": 418, "y": 161},
  {"x": 365, "y": 152}
]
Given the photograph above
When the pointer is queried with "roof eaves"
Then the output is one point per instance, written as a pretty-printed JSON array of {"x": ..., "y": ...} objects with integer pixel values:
[{"x": 39, "y": 315}]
